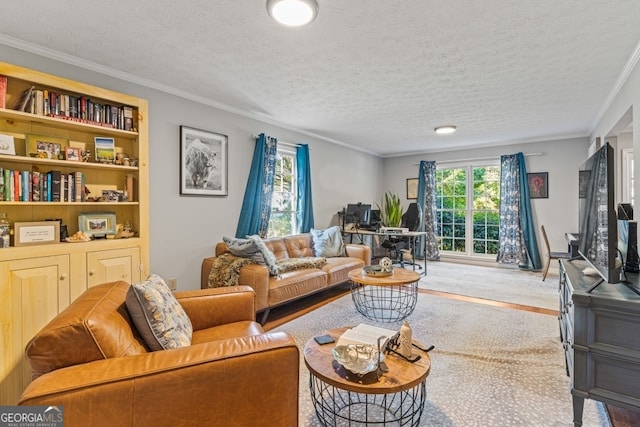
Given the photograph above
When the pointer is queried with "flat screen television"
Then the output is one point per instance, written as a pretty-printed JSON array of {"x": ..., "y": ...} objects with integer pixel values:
[
  {"x": 598, "y": 220},
  {"x": 359, "y": 214}
]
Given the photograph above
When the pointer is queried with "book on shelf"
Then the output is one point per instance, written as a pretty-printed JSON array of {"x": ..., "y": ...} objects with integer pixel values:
[
  {"x": 54, "y": 178},
  {"x": 7, "y": 185},
  {"x": 3, "y": 91},
  {"x": 79, "y": 186},
  {"x": 23, "y": 102},
  {"x": 25, "y": 182},
  {"x": 367, "y": 334},
  {"x": 130, "y": 187},
  {"x": 35, "y": 186}
]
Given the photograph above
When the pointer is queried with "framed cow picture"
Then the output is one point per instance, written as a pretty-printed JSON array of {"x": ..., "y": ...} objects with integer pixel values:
[{"x": 203, "y": 162}]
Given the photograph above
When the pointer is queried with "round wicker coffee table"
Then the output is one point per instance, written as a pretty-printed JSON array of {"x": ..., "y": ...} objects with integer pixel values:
[
  {"x": 387, "y": 298},
  {"x": 342, "y": 398}
]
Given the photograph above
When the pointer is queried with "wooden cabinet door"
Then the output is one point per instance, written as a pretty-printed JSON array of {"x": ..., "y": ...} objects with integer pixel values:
[
  {"x": 111, "y": 265},
  {"x": 32, "y": 291}
]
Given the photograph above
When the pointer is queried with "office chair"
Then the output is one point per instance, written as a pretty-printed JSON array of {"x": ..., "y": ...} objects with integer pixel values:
[
  {"x": 397, "y": 245},
  {"x": 551, "y": 255}
]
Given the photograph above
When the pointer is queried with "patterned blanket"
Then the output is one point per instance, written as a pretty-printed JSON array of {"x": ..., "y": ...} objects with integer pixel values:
[
  {"x": 226, "y": 268},
  {"x": 290, "y": 264}
]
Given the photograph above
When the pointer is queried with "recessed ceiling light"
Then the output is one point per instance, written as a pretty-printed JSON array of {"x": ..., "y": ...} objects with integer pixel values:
[
  {"x": 293, "y": 13},
  {"x": 445, "y": 129}
]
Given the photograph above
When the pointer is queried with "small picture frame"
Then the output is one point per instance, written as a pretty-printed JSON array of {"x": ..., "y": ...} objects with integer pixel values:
[
  {"x": 72, "y": 154},
  {"x": 97, "y": 224},
  {"x": 36, "y": 233},
  {"x": 105, "y": 149},
  {"x": 538, "y": 185},
  {"x": 47, "y": 147},
  {"x": 7, "y": 145},
  {"x": 412, "y": 188},
  {"x": 203, "y": 162}
]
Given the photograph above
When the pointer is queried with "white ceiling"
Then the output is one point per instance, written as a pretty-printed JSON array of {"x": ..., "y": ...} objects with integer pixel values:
[{"x": 377, "y": 75}]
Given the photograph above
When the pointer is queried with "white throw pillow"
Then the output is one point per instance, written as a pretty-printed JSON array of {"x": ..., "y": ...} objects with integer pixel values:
[{"x": 328, "y": 243}]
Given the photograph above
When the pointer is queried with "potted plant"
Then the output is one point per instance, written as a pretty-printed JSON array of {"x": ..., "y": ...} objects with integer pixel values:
[{"x": 391, "y": 210}]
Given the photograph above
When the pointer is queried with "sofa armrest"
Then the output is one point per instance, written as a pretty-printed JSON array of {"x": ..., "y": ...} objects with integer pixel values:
[
  {"x": 197, "y": 385},
  {"x": 217, "y": 306},
  {"x": 362, "y": 252},
  {"x": 253, "y": 275}
]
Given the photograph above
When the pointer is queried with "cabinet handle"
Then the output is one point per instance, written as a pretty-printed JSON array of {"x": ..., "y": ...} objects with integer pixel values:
[
  {"x": 63, "y": 276},
  {"x": 92, "y": 272}
]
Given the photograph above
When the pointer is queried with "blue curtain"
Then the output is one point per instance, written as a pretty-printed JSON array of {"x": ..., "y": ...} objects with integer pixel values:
[
  {"x": 517, "y": 241},
  {"x": 427, "y": 201},
  {"x": 256, "y": 205},
  {"x": 304, "y": 208}
]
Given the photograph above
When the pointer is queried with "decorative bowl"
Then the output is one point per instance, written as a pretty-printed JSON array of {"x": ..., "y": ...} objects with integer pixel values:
[
  {"x": 376, "y": 270},
  {"x": 357, "y": 358}
]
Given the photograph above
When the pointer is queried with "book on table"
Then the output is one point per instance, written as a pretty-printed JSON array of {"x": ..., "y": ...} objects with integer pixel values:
[{"x": 367, "y": 334}]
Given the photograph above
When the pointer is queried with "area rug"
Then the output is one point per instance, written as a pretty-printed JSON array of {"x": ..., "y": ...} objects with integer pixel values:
[
  {"x": 491, "y": 366},
  {"x": 504, "y": 283}
]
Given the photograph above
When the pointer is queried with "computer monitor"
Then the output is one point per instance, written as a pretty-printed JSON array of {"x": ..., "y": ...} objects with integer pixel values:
[{"x": 358, "y": 213}]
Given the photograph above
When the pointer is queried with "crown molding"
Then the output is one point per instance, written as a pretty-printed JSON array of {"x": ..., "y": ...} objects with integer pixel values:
[
  {"x": 151, "y": 84},
  {"x": 624, "y": 75}
]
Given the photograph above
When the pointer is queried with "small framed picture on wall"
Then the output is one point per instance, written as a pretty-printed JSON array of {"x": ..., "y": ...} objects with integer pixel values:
[{"x": 538, "y": 185}]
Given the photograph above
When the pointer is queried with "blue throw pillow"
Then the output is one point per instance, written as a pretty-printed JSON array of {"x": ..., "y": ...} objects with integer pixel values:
[{"x": 328, "y": 243}]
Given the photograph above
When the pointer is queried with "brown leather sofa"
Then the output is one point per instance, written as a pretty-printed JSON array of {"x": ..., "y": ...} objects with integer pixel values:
[
  {"x": 272, "y": 291},
  {"x": 90, "y": 360}
]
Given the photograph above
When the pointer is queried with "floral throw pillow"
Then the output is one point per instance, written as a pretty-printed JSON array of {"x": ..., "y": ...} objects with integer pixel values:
[{"x": 158, "y": 316}]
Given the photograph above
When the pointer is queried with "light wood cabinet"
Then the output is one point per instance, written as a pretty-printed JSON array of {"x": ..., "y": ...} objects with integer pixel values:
[
  {"x": 33, "y": 290},
  {"x": 38, "y": 281},
  {"x": 109, "y": 266}
]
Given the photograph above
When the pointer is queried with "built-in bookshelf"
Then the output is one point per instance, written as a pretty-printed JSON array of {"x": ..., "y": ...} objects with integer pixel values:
[{"x": 48, "y": 131}]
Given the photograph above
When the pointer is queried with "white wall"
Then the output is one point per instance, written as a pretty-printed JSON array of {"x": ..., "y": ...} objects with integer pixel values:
[
  {"x": 561, "y": 159},
  {"x": 184, "y": 229}
]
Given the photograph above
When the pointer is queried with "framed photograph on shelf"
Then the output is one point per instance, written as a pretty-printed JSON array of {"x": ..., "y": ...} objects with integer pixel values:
[
  {"x": 538, "y": 185},
  {"x": 412, "y": 188},
  {"x": 36, "y": 233},
  {"x": 203, "y": 162},
  {"x": 47, "y": 147},
  {"x": 105, "y": 149},
  {"x": 72, "y": 154},
  {"x": 7, "y": 145},
  {"x": 97, "y": 224}
]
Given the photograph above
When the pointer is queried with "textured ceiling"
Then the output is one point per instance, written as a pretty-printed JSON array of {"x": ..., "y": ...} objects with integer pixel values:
[{"x": 378, "y": 75}]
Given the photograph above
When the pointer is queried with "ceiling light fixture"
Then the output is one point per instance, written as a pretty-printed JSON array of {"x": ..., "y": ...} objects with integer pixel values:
[
  {"x": 443, "y": 130},
  {"x": 293, "y": 13}
]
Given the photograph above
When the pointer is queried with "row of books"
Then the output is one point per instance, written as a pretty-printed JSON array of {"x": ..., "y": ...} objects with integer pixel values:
[
  {"x": 82, "y": 109},
  {"x": 63, "y": 106},
  {"x": 35, "y": 186}
]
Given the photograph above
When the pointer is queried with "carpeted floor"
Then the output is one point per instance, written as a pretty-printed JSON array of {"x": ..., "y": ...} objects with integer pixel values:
[
  {"x": 504, "y": 284},
  {"x": 491, "y": 366}
]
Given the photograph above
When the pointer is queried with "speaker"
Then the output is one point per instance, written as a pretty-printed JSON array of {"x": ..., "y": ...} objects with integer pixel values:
[{"x": 632, "y": 262}]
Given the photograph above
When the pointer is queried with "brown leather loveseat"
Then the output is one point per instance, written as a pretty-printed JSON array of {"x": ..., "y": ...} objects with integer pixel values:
[{"x": 91, "y": 360}]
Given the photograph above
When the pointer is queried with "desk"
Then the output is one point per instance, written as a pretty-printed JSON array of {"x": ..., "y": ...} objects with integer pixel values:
[
  {"x": 573, "y": 239},
  {"x": 412, "y": 235}
]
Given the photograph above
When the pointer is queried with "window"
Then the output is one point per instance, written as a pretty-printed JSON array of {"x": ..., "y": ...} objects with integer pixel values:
[
  {"x": 283, "y": 200},
  {"x": 468, "y": 228}
]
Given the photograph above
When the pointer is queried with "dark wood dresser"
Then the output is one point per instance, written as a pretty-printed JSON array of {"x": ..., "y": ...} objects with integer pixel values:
[{"x": 600, "y": 333}]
